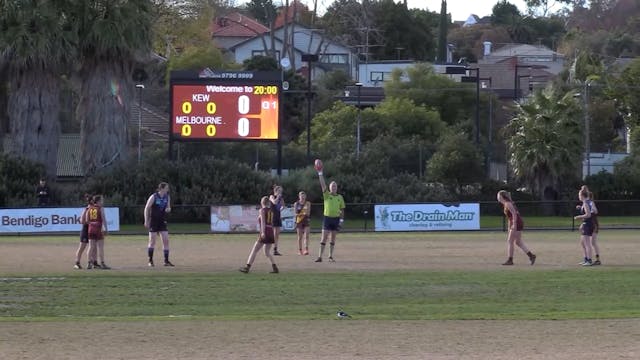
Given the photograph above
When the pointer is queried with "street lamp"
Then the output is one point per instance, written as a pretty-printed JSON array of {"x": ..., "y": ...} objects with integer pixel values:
[
  {"x": 476, "y": 80},
  {"x": 587, "y": 123},
  {"x": 139, "y": 86},
  {"x": 359, "y": 85},
  {"x": 310, "y": 59}
]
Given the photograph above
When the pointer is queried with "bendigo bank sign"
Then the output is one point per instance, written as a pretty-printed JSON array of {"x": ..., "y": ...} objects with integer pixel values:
[{"x": 50, "y": 220}]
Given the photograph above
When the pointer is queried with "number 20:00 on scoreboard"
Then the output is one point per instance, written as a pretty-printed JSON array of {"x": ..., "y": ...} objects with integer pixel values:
[{"x": 235, "y": 108}]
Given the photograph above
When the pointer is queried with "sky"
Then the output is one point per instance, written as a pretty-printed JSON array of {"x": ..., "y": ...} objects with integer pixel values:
[{"x": 461, "y": 9}]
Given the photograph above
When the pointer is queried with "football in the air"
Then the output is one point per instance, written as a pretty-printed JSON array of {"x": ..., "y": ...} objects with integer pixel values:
[{"x": 318, "y": 165}]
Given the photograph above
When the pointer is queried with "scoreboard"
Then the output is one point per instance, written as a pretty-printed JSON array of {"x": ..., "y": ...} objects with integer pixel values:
[{"x": 225, "y": 106}]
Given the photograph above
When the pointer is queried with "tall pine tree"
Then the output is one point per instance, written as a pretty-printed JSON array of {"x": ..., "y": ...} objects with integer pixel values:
[{"x": 442, "y": 38}]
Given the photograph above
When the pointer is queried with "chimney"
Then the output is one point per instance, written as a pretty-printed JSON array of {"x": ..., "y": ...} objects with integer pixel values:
[{"x": 487, "y": 47}]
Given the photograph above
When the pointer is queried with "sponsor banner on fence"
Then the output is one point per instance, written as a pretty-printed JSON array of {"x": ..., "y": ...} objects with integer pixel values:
[
  {"x": 427, "y": 217},
  {"x": 244, "y": 218},
  {"x": 50, "y": 219}
]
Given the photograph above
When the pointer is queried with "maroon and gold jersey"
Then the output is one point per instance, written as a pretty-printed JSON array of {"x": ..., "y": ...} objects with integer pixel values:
[
  {"x": 267, "y": 215},
  {"x": 514, "y": 217},
  {"x": 94, "y": 220}
]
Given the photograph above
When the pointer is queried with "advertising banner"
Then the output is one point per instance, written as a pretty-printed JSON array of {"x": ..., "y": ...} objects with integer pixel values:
[
  {"x": 244, "y": 218},
  {"x": 50, "y": 220},
  {"x": 427, "y": 217}
]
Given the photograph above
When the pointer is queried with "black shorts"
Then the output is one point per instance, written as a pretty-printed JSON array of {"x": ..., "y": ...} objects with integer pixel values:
[
  {"x": 586, "y": 229},
  {"x": 331, "y": 223},
  {"x": 277, "y": 220},
  {"x": 158, "y": 226},
  {"x": 268, "y": 238},
  {"x": 84, "y": 234}
]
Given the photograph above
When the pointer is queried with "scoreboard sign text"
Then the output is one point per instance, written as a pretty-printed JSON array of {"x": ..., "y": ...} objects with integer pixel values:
[{"x": 225, "y": 109}]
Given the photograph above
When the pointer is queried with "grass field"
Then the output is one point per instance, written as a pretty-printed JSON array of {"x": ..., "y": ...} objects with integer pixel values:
[{"x": 411, "y": 296}]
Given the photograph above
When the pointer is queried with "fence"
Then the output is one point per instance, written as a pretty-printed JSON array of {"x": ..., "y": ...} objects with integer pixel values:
[{"x": 556, "y": 215}]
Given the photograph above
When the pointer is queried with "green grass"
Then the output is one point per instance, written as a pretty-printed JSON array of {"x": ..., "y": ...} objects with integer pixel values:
[{"x": 560, "y": 294}]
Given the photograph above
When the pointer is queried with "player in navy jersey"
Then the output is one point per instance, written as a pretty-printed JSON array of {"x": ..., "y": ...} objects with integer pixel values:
[
  {"x": 277, "y": 204},
  {"x": 155, "y": 219},
  {"x": 586, "y": 228},
  {"x": 84, "y": 236},
  {"x": 265, "y": 237}
]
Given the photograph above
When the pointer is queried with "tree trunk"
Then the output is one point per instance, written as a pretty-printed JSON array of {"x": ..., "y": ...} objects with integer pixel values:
[
  {"x": 104, "y": 111},
  {"x": 33, "y": 109}
]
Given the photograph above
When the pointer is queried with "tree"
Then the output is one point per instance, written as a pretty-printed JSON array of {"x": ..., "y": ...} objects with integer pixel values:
[
  {"x": 457, "y": 162},
  {"x": 455, "y": 102},
  {"x": 442, "y": 33},
  {"x": 262, "y": 10},
  {"x": 543, "y": 7},
  {"x": 545, "y": 141},
  {"x": 111, "y": 35},
  {"x": 504, "y": 13},
  {"x": 36, "y": 44}
]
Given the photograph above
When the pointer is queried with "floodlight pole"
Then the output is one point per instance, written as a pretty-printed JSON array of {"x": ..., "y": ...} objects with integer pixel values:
[{"x": 140, "y": 87}]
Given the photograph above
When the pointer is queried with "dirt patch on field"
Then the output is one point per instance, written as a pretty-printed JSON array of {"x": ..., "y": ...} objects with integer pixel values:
[
  {"x": 320, "y": 339},
  {"x": 338, "y": 339}
]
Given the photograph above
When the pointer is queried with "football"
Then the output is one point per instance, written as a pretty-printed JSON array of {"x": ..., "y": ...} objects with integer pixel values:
[{"x": 318, "y": 165}]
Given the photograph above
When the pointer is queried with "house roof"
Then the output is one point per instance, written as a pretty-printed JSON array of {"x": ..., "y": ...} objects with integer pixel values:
[
  {"x": 523, "y": 50},
  {"x": 68, "y": 159},
  {"x": 154, "y": 127},
  {"x": 237, "y": 25},
  {"x": 154, "y": 122}
]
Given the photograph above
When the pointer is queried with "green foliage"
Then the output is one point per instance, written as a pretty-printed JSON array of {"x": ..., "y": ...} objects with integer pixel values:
[
  {"x": 504, "y": 13},
  {"x": 44, "y": 39},
  {"x": 625, "y": 89},
  {"x": 545, "y": 140},
  {"x": 386, "y": 26},
  {"x": 113, "y": 31},
  {"x": 202, "y": 181},
  {"x": 442, "y": 33},
  {"x": 261, "y": 63},
  {"x": 18, "y": 180},
  {"x": 262, "y": 10},
  {"x": 455, "y": 102},
  {"x": 456, "y": 162},
  {"x": 329, "y": 85},
  {"x": 196, "y": 58}
]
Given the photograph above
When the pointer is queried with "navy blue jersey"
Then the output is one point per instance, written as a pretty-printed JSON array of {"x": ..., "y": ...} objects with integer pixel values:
[{"x": 159, "y": 207}]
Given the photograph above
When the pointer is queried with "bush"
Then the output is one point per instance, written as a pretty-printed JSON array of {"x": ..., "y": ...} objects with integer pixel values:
[{"x": 18, "y": 180}]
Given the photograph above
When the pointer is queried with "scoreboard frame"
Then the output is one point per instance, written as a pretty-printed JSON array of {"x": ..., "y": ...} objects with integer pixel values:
[{"x": 254, "y": 120}]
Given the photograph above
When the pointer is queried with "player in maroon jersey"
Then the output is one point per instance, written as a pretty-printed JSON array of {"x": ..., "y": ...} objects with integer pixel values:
[
  {"x": 265, "y": 238},
  {"x": 516, "y": 225}
]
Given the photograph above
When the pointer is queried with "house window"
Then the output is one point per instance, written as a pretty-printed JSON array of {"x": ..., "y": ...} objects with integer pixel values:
[
  {"x": 263, "y": 53},
  {"x": 334, "y": 58},
  {"x": 379, "y": 76}
]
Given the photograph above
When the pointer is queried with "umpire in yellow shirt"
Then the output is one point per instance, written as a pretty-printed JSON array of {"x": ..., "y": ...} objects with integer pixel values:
[{"x": 333, "y": 216}]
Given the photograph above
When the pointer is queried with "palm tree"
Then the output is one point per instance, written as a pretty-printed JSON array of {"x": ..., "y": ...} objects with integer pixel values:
[
  {"x": 545, "y": 140},
  {"x": 113, "y": 34},
  {"x": 36, "y": 44}
]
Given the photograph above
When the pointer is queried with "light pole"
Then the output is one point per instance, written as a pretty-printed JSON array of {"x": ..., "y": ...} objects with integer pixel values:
[
  {"x": 139, "y": 86},
  {"x": 310, "y": 59},
  {"x": 587, "y": 142},
  {"x": 359, "y": 85}
]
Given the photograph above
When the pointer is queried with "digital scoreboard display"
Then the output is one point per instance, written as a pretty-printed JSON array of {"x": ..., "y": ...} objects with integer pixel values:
[{"x": 231, "y": 106}]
